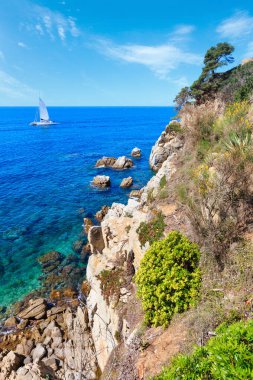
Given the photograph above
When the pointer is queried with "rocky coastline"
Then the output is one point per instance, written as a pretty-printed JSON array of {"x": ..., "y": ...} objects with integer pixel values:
[{"x": 74, "y": 329}]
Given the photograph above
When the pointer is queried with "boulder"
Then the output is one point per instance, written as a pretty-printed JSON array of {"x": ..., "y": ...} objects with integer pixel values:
[
  {"x": 105, "y": 162},
  {"x": 88, "y": 223},
  {"x": 36, "y": 310},
  {"x": 135, "y": 194},
  {"x": 101, "y": 181},
  {"x": 11, "y": 362},
  {"x": 96, "y": 239},
  {"x": 10, "y": 322},
  {"x": 136, "y": 152},
  {"x": 102, "y": 213},
  {"x": 39, "y": 352},
  {"x": 126, "y": 182},
  {"x": 123, "y": 163}
]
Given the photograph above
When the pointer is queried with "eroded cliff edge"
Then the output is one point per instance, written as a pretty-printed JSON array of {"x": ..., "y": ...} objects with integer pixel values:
[{"x": 115, "y": 313}]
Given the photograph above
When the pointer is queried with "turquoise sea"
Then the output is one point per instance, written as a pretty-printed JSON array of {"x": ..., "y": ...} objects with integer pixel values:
[{"x": 45, "y": 176}]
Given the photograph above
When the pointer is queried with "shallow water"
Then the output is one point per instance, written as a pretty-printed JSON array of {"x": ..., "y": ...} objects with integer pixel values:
[{"x": 45, "y": 176}]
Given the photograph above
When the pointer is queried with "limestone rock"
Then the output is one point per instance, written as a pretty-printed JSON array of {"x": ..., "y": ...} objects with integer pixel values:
[
  {"x": 123, "y": 163},
  {"x": 101, "y": 181},
  {"x": 136, "y": 152},
  {"x": 135, "y": 194},
  {"x": 105, "y": 162},
  {"x": 96, "y": 240},
  {"x": 102, "y": 213},
  {"x": 167, "y": 144},
  {"x": 10, "y": 322},
  {"x": 39, "y": 352},
  {"x": 87, "y": 224},
  {"x": 37, "y": 310},
  {"x": 126, "y": 182},
  {"x": 11, "y": 362}
]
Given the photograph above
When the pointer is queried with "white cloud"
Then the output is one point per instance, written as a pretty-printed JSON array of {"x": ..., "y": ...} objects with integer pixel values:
[
  {"x": 160, "y": 59},
  {"x": 184, "y": 29},
  {"x": 237, "y": 26},
  {"x": 13, "y": 88},
  {"x": 54, "y": 24},
  {"x": 22, "y": 45}
]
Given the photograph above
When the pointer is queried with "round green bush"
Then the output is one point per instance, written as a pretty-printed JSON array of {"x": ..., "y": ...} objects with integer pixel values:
[
  {"x": 229, "y": 355},
  {"x": 168, "y": 279}
]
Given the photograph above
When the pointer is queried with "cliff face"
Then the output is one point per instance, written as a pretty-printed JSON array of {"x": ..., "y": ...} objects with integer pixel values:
[{"x": 114, "y": 311}]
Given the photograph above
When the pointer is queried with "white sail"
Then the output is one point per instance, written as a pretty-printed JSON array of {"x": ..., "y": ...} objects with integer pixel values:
[{"x": 43, "y": 111}]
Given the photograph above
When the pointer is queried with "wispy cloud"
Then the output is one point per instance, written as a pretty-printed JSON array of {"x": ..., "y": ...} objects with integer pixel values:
[
  {"x": 12, "y": 87},
  {"x": 22, "y": 45},
  {"x": 160, "y": 59},
  {"x": 249, "y": 52},
  {"x": 46, "y": 22},
  {"x": 237, "y": 26}
]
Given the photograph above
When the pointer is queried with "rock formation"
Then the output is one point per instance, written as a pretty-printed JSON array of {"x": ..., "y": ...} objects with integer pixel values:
[
  {"x": 105, "y": 162},
  {"x": 101, "y": 181},
  {"x": 126, "y": 182},
  {"x": 123, "y": 163},
  {"x": 168, "y": 143},
  {"x": 136, "y": 152}
]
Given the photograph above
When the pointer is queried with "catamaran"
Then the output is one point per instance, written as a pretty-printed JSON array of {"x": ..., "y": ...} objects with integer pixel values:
[{"x": 44, "y": 116}]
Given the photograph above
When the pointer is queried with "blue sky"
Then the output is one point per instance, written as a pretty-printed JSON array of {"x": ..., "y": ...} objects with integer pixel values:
[{"x": 111, "y": 52}]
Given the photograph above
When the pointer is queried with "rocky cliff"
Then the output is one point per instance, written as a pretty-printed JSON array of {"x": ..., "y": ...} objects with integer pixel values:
[{"x": 114, "y": 311}]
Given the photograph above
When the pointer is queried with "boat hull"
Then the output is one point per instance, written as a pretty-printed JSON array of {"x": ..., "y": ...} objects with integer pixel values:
[{"x": 42, "y": 124}]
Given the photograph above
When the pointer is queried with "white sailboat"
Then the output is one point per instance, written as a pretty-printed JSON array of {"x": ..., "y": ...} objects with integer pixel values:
[{"x": 44, "y": 116}]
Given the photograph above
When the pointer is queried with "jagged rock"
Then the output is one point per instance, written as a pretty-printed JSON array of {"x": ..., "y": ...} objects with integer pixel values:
[
  {"x": 11, "y": 362},
  {"x": 96, "y": 240},
  {"x": 39, "y": 352},
  {"x": 87, "y": 222},
  {"x": 123, "y": 163},
  {"x": 105, "y": 162},
  {"x": 135, "y": 194},
  {"x": 126, "y": 182},
  {"x": 25, "y": 347},
  {"x": 136, "y": 152},
  {"x": 101, "y": 181},
  {"x": 165, "y": 146},
  {"x": 37, "y": 309},
  {"x": 102, "y": 213},
  {"x": 52, "y": 363},
  {"x": 35, "y": 371},
  {"x": 10, "y": 322}
]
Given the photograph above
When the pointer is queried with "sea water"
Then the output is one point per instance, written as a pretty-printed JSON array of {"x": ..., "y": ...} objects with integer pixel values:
[{"x": 46, "y": 174}]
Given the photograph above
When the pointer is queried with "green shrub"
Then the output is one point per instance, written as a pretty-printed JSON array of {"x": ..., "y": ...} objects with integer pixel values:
[
  {"x": 229, "y": 355},
  {"x": 163, "y": 182},
  {"x": 168, "y": 279},
  {"x": 110, "y": 283},
  {"x": 152, "y": 230}
]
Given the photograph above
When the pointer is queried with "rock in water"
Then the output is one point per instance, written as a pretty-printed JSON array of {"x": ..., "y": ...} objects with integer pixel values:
[
  {"x": 102, "y": 213},
  {"x": 126, "y": 182},
  {"x": 123, "y": 163},
  {"x": 36, "y": 310},
  {"x": 101, "y": 181},
  {"x": 135, "y": 194},
  {"x": 136, "y": 152},
  {"x": 105, "y": 162}
]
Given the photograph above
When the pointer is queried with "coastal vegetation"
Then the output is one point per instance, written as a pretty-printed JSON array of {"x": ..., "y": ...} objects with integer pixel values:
[
  {"x": 228, "y": 355},
  {"x": 168, "y": 279},
  {"x": 151, "y": 231}
]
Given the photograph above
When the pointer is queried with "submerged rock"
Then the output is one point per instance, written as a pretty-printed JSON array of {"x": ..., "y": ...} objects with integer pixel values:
[
  {"x": 123, "y": 163},
  {"x": 135, "y": 194},
  {"x": 136, "y": 152},
  {"x": 126, "y": 182},
  {"x": 101, "y": 181}
]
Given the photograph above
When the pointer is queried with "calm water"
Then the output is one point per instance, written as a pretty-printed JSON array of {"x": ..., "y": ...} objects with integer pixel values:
[{"x": 45, "y": 176}]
